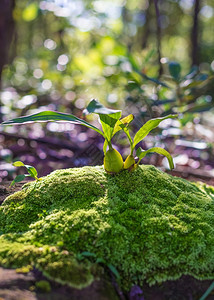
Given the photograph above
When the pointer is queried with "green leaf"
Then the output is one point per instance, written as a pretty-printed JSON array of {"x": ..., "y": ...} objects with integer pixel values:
[
  {"x": 200, "y": 108},
  {"x": 108, "y": 117},
  {"x": 100, "y": 261},
  {"x": 18, "y": 164},
  {"x": 148, "y": 126},
  {"x": 32, "y": 171},
  {"x": 18, "y": 179},
  {"x": 142, "y": 153},
  {"x": 97, "y": 108},
  {"x": 122, "y": 124},
  {"x": 175, "y": 69},
  {"x": 88, "y": 254},
  {"x": 45, "y": 116},
  {"x": 105, "y": 144},
  {"x": 208, "y": 291},
  {"x": 124, "y": 121},
  {"x": 138, "y": 71},
  {"x": 108, "y": 122},
  {"x": 30, "y": 12},
  {"x": 113, "y": 270}
]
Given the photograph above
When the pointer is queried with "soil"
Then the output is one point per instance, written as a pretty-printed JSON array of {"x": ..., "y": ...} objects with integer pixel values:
[{"x": 24, "y": 286}]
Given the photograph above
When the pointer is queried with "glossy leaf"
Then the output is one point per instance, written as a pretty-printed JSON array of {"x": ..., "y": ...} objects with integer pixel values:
[
  {"x": 32, "y": 171},
  {"x": 97, "y": 108},
  {"x": 142, "y": 153},
  {"x": 124, "y": 121},
  {"x": 46, "y": 116},
  {"x": 108, "y": 122},
  {"x": 18, "y": 178},
  {"x": 148, "y": 126},
  {"x": 18, "y": 164},
  {"x": 108, "y": 117}
]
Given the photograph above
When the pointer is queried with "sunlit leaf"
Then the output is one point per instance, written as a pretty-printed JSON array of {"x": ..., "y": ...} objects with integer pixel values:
[
  {"x": 148, "y": 126},
  {"x": 45, "y": 116},
  {"x": 18, "y": 164},
  {"x": 108, "y": 122},
  {"x": 124, "y": 121},
  {"x": 108, "y": 117},
  {"x": 105, "y": 144},
  {"x": 32, "y": 171},
  {"x": 142, "y": 153},
  {"x": 123, "y": 124}
]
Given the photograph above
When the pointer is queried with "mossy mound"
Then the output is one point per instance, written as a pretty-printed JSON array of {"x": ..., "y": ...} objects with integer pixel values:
[{"x": 147, "y": 224}]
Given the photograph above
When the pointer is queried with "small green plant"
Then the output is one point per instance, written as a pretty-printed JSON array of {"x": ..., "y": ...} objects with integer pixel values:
[
  {"x": 97, "y": 260},
  {"x": 31, "y": 172},
  {"x": 111, "y": 123}
]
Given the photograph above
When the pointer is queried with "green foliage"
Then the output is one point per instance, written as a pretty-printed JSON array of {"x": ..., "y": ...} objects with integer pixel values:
[
  {"x": 176, "y": 93},
  {"x": 43, "y": 285},
  {"x": 152, "y": 227},
  {"x": 98, "y": 63},
  {"x": 174, "y": 69},
  {"x": 147, "y": 127},
  {"x": 50, "y": 116},
  {"x": 111, "y": 124},
  {"x": 108, "y": 118},
  {"x": 141, "y": 153},
  {"x": 32, "y": 172}
]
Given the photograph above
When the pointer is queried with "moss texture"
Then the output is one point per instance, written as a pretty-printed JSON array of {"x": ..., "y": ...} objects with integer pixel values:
[{"x": 149, "y": 225}]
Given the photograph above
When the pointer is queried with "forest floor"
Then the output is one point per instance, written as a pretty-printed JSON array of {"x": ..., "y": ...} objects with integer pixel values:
[{"x": 15, "y": 285}]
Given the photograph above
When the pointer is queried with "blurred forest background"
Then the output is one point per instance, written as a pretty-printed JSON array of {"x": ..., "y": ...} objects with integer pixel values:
[{"x": 149, "y": 58}]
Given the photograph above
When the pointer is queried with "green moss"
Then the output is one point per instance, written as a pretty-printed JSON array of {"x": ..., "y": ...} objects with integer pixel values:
[{"x": 149, "y": 225}]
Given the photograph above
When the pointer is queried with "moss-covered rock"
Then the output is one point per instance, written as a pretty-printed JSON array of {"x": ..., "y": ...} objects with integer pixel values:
[{"x": 149, "y": 225}]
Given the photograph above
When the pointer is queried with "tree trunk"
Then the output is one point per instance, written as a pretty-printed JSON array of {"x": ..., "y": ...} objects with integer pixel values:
[
  {"x": 157, "y": 12},
  {"x": 194, "y": 34},
  {"x": 146, "y": 27},
  {"x": 6, "y": 33}
]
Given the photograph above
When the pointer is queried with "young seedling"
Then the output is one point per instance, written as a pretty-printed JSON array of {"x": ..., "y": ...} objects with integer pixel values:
[
  {"x": 31, "y": 173},
  {"x": 113, "y": 161},
  {"x": 111, "y": 123},
  {"x": 139, "y": 136}
]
